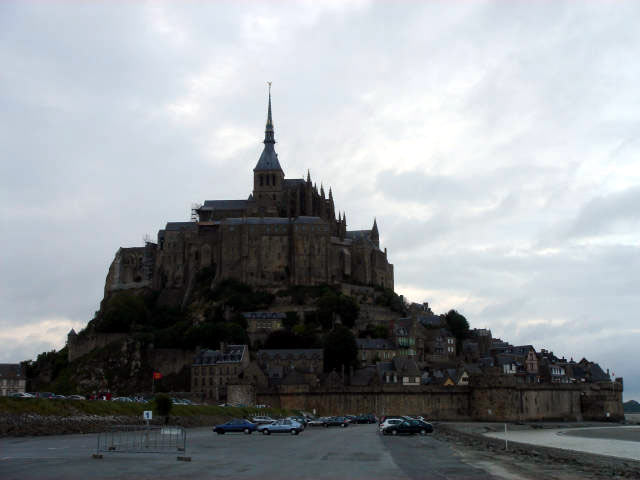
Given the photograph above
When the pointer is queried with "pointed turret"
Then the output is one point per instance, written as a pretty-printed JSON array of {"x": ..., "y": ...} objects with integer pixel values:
[
  {"x": 330, "y": 194},
  {"x": 269, "y": 158},
  {"x": 375, "y": 236},
  {"x": 322, "y": 191},
  {"x": 308, "y": 176}
]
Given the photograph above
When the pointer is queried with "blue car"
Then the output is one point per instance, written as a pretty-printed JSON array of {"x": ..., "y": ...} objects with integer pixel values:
[
  {"x": 236, "y": 425},
  {"x": 286, "y": 425}
]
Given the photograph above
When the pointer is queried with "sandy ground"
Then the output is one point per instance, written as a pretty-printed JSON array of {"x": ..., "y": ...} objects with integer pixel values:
[
  {"x": 529, "y": 462},
  {"x": 621, "y": 442}
]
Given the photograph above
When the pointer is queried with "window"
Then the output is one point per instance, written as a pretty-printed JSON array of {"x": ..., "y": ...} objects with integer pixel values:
[{"x": 261, "y": 181}]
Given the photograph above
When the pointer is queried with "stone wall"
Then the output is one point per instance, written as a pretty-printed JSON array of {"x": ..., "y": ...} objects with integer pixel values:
[
  {"x": 81, "y": 345},
  {"x": 503, "y": 403}
]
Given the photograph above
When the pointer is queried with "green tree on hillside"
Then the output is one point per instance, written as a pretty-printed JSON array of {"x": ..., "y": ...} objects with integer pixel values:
[
  {"x": 340, "y": 349},
  {"x": 458, "y": 325}
]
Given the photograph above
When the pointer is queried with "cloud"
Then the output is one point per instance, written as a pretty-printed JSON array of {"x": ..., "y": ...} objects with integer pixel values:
[
  {"x": 495, "y": 143},
  {"x": 616, "y": 212}
]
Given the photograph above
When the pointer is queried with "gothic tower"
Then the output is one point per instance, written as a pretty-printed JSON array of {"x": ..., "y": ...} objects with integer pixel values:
[{"x": 268, "y": 177}]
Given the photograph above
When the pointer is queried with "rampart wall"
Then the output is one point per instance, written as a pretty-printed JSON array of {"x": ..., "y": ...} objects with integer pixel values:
[{"x": 479, "y": 403}]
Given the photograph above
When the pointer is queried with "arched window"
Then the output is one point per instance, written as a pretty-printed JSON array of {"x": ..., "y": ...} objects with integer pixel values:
[
  {"x": 261, "y": 180},
  {"x": 273, "y": 180}
]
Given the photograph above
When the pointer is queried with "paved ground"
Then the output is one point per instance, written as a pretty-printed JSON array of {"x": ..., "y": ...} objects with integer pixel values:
[
  {"x": 357, "y": 452},
  {"x": 621, "y": 442}
]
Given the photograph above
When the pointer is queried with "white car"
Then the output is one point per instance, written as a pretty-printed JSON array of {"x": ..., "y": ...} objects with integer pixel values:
[
  {"x": 262, "y": 420},
  {"x": 390, "y": 421}
]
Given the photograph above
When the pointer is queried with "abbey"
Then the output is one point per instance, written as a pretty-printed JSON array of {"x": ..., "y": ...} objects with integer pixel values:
[{"x": 285, "y": 233}]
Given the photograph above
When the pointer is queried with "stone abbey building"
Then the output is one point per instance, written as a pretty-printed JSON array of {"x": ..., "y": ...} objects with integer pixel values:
[{"x": 285, "y": 233}]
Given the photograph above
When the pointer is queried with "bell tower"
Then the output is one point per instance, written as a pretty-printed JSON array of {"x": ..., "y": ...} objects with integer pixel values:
[{"x": 268, "y": 177}]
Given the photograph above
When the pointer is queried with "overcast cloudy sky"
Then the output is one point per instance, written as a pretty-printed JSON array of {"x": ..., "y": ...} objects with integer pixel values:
[{"x": 497, "y": 143}]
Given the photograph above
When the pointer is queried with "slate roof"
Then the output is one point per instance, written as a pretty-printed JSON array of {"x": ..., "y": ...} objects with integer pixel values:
[
  {"x": 292, "y": 182},
  {"x": 177, "y": 226},
  {"x": 268, "y": 159},
  {"x": 406, "y": 366},
  {"x": 358, "y": 234},
  {"x": 374, "y": 344},
  {"x": 296, "y": 352},
  {"x": 231, "y": 354},
  {"x": 430, "y": 320},
  {"x": 10, "y": 370},
  {"x": 224, "y": 205},
  {"x": 264, "y": 315},
  {"x": 255, "y": 221}
]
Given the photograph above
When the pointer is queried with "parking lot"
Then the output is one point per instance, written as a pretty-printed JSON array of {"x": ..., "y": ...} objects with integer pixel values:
[{"x": 355, "y": 452}]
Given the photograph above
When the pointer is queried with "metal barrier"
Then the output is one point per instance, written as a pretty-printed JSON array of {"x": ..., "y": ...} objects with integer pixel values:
[{"x": 142, "y": 439}]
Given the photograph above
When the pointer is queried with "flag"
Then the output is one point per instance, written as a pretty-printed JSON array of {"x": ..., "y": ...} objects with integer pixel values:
[{"x": 157, "y": 375}]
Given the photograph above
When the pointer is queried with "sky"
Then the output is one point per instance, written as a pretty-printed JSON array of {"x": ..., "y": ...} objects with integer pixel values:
[{"x": 495, "y": 142}]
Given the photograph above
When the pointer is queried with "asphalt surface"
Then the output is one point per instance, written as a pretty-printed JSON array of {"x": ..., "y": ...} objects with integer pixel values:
[{"x": 356, "y": 452}]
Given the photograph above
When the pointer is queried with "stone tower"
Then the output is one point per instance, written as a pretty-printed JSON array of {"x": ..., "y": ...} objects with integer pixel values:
[{"x": 268, "y": 177}]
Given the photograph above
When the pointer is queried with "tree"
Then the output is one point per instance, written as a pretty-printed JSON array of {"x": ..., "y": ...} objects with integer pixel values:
[
  {"x": 331, "y": 304},
  {"x": 340, "y": 350},
  {"x": 457, "y": 324},
  {"x": 162, "y": 405}
]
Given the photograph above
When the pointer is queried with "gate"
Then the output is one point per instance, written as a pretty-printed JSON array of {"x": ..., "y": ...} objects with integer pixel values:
[{"x": 142, "y": 439}]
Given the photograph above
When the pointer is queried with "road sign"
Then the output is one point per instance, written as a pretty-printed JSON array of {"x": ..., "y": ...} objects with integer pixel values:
[{"x": 147, "y": 414}]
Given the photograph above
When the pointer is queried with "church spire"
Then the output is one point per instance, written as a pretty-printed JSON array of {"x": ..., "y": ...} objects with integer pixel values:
[
  {"x": 268, "y": 131},
  {"x": 269, "y": 158}
]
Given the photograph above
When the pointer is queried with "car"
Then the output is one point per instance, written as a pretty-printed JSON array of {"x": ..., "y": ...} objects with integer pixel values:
[
  {"x": 236, "y": 425},
  {"x": 336, "y": 422},
  {"x": 122, "y": 399},
  {"x": 316, "y": 422},
  {"x": 55, "y": 396},
  {"x": 44, "y": 394},
  {"x": 262, "y": 419},
  {"x": 286, "y": 425},
  {"x": 76, "y": 397},
  {"x": 408, "y": 427},
  {"x": 390, "y": 421},
  {"x": 20, "y": 395},
  {"x": 301, "y": 420},
  {"x": 369, "y": 418}
]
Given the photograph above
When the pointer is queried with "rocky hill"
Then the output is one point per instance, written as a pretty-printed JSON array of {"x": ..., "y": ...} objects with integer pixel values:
[{"x": 136, "y": 333}]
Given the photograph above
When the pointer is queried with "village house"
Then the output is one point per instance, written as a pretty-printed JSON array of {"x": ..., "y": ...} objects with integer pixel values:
[
  {"x": 261, "y": 324},
  {"x": 213, "y": 370},
  {"x": 12, "y": 379},
  {"x": 373, "y": 350}
]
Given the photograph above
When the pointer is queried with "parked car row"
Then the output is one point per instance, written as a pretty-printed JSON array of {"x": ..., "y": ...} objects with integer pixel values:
[
  {"x": 404, "y": 425},
  {"x": 284, "y": 425}
]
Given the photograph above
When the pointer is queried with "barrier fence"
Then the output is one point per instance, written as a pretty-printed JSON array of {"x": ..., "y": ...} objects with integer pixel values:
[{"x": 142, "y": 439}]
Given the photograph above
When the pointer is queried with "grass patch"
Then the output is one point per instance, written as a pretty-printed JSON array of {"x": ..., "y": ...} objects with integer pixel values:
[{"x": 67, "y": 408}]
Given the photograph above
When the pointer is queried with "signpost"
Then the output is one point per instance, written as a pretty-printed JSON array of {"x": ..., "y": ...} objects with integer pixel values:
[{"x": 147, "y": 415}]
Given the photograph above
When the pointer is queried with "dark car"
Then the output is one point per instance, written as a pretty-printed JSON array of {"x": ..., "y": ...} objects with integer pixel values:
[
  {"x": 366, "y": 419},
  {"x": 408, "y": 427},
  {"x": 236, "y": 425},
  {"x": 336, "y": 422}
]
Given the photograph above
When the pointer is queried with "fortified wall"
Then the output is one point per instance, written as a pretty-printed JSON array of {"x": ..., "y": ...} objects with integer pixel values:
[{"x": 507, "y": 403}]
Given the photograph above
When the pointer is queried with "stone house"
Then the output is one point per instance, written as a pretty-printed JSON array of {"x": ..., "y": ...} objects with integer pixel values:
[
  {"x": 373, "y": 350},
  {"x": 213, "y": 370},
  {"x": 12, "y": 379},
  {"x": 261, "y": 324},
  {"x": 279, "y": 363},
  {"x": 403, "y": 336},
  {"x": 402, "y": 370},
  {"x": 440, "y": 346}
]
